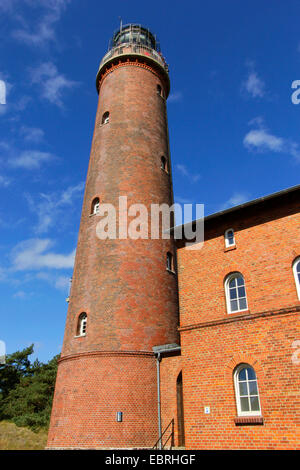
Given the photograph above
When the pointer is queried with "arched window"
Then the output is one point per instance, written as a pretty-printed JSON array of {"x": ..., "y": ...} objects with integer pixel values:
[
  {"x": 95, "y": 206},
  {"x": 81, "y": 326},
  {"x": 159, "y": 90},
  {"x": 229, "y": 238},
  {"x": 235, "y": 291},
  {"x": 164, "y": 164},
  {"x": 296, "y": 270},
  {"x": 170, "y": 262},
  {"x": 246, "y": 391},
  {"x": 105, "y": 118}
]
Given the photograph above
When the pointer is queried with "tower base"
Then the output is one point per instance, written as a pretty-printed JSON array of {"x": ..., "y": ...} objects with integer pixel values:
[{"x": 92, "y": 388}]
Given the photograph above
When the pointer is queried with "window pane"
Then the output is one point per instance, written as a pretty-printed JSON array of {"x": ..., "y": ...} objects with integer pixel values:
[
  {"x": 251, "y": 373},
  {"x": 243, "y": 388},
  {"x": 244, "y": 404},
  {"x": 232, "y": 282},
  {"x": 253, "y": 388},
  {"x": 233, "y": 305},
  {"x": 242, "y": 374},
  {"x": 243, "y": 304},
  {"x": 254, "y": 404},
  {"x": 242, "y": 292},
  {"x": 233, "y": 293},
  {"x": 240, "y": 281}
]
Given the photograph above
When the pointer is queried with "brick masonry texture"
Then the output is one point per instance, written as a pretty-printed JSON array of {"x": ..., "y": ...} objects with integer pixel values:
[
  {"x": 215, "y": 342},
  {"x": 129, "y": 297},
  {"x": 131, "y": 301}
]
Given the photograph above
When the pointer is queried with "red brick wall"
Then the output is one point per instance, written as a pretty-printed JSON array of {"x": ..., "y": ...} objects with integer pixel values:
[
  {"x": 170, "y": 368},
  {"x": 215, "y": 342},
  {"x": 130, "y": 298},
  {"x": 91, "y": 389}
]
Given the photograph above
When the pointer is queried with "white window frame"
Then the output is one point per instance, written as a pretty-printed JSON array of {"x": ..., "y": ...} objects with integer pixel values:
[
  {"x": 105, "y": 120},
  {"x": 96, "y": 207},
  {"x": 227, "y": 293},
  {"x": 164, "y": 164},
  {"x": 237, "y": 392},
  {"x": 227, "y": 244},
  {"x": 82, "y": 324},
  {"x": 297, "y": 281},
  {"x": 170, "y": 264}
]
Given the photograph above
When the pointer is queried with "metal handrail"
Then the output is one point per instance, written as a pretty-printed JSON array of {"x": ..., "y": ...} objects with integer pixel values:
[
  {"x": 136, "y": 49},
  {"x": 171, "y": 436}
]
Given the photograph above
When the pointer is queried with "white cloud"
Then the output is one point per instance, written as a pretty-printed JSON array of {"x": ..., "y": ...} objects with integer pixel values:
[
  {"x": 32, "y": 134},
  {"x": 31, "y": 159},
  {"x": 253, "y": 85},
  {"x": 62, "y": 283},
  {"x": 34, "y": 254},
  {"x": 236, "y": 199},
  {"x": 50, "y": 206},
  {"x": 193, "y": 177},
  {"x": 4, "y": 181},
  {"x": 175, "y": 97},
  {"x": 52, "y": 83},
  {"x": 2, "y": 92},
  {"x": 44, "y": 31},
  {"x": 20, "y": 295},
  {"x": 262, "y": 140}
]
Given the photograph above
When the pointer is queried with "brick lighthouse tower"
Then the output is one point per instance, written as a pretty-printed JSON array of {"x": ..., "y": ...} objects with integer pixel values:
[{"x": 123, "y": 299}]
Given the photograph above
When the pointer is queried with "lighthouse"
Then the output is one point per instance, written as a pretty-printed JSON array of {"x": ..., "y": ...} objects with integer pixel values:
[{"x": 124, "y": 298}]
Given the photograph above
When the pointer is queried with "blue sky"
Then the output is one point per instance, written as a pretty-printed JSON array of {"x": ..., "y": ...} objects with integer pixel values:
[{"x": 234, "y": 131}]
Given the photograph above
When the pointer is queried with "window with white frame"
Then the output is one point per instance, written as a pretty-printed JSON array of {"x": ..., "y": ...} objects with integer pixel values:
[
  {"x": 95, "y": 206},
  {"x": 81, "y": 327},
  {"x": 229, "y": 238},
  {"x": 246, "y": 391},
  {"x": 105, "y": 118},
  {"x": 170, "y": 262},
  {"x": 235, "y": 291},
  {"x": 296, "y": 270},
  {"x": 159, "y": 90}
]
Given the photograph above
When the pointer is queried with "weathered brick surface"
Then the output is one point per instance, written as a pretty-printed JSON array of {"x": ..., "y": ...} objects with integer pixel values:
[
  {"x": 123, "y": 285},
  {"x": 170, "y": 369},
  {"x": 91, "y": 389},
  {"x": 215, "y": 342}
]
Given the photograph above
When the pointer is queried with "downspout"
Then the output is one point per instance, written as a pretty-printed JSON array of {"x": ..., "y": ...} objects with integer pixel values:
[
  {"x": 158, "y": 359},
  {"x": 158, "y": 351}
]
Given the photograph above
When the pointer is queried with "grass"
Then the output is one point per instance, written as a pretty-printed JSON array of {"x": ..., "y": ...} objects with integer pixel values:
[{"x": 14, "y": 438}]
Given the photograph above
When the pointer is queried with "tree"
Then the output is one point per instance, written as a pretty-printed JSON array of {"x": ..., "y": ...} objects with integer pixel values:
[{"x": 28, "y": 390}]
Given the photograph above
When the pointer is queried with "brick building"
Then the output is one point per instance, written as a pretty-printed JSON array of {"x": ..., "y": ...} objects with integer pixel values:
[
  {"x": 225, "y": 374},
  {"x": 239, "y": 327}
]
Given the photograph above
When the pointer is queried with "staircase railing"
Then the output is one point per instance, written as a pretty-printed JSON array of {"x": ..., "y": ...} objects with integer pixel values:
[{"x": 169, "y": 438}]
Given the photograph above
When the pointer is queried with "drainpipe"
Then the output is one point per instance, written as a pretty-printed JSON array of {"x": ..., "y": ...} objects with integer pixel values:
[
  {"x": 158, "y": 351},
  {"x": 158, "y": 359}
]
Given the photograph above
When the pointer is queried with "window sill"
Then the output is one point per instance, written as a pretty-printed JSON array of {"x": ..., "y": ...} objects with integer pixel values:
[
  {"x": 230, "y": 248},
  {"x": 80, "y": 336},
  {"x": 248, "y": 420},
  {"x": 170, "y": 271},
  {"x": 240, "y": 312}
]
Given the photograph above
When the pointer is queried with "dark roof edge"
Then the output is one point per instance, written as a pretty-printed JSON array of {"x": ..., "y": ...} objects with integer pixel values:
[{"x": 242, "y": 206}]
